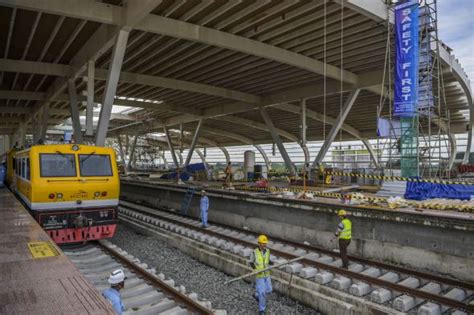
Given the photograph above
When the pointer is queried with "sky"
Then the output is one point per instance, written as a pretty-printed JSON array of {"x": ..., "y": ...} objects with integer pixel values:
[{"x": 456, "y": 29}]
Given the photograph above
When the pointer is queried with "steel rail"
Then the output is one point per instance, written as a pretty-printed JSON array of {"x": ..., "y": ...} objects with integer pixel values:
[
  {"x": 180, "y": 298},
  {"x": 427, "y": 276},
  {"x": 420, "y": 274},
  {"x": 375, "y": 281}
]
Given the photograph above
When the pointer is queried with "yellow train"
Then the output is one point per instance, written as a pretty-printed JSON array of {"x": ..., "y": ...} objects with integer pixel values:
[{"x": 72, "y": 190}]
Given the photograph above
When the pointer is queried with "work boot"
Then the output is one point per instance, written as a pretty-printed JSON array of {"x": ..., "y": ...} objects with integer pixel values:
[{"x": 255, "y": 297}]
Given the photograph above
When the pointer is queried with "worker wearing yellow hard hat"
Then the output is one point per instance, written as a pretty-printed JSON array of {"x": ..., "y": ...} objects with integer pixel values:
[
  {"x": 260, "y": 260},
  {"x": 344, "y": 233}
]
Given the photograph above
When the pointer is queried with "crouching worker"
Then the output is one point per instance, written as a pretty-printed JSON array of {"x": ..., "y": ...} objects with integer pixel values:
[
  {"x": 112, "y": 294},
  {"x": 260, "y": 260}
]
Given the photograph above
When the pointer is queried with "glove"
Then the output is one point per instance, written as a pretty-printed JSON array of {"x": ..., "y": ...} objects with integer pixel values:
[
  {"x": 252, "y": 264},
  {"x": 271, "y": 263}
]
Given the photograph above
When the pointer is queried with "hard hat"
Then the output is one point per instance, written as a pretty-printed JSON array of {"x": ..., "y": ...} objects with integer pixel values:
[
  {"x": 117, "y": 276},
  {"x": 203, "y": 191},
  {"x": 263, "y": 239},
  {"x": 341, "y": 212}
]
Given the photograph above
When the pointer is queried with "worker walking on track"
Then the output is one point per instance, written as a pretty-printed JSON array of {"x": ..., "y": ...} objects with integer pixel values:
[
  {"x": 112, "y": 294},
  {"x": 344, "y": 232},
  {"x": 259, "y": 260},
  {"x": 204, "y": 206}
]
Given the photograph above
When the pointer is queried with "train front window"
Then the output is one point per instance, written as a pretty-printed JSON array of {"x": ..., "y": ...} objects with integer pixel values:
[
  {"x": 57, "y": 165},
  {"x": 95, "y": 165}
]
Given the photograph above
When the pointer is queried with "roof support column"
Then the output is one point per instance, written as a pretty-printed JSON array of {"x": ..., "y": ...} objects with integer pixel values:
[
  {"x": 74, "y": 108},
  {"x": 44, "y": 121},
  {"x": 226, "y": 154},
  {"x": 277, "y": 140},
  {"x": 264, "y": 155},
  {"x": 132, "y": 152},
  {"x": 122, "y": 154},
  {"x": 373, "y": 156},
  {"x": 303, "y": 131},
  {"x": 90, "y": 97},
  {"x": 203, "y": 159},
  {"x": 21, "y": 135},
  {"x": 170, "y": 145},
  {"x": 162, "y": 155},
  {"x": 111, "y": 86},
  {"x": 193, "y": 143},
  {"x": 303, "y": 121},
  {"x": 337, "y": 126},
  {"x": 470, "y": 136},
  {"x": 34, "y": 127}
]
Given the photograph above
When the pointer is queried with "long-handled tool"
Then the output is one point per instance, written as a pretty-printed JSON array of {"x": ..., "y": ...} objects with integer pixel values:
[{"x": 266, "y": 269}]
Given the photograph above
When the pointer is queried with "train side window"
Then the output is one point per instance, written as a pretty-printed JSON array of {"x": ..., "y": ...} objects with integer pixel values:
[
  {"x": 57, "y": 165},
  {"x": 20, "y": 171},
  {"x": 27, "y": 166},
  {"x": 14, "y": 163},
  {"x": 23, "y": 168},
  {"x": 17, "y": 168}
]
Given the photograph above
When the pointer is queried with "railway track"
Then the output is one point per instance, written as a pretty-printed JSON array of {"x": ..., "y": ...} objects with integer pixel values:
[
  {"x": 145, "y": 292},
  {"x": 401, "y": 289}
]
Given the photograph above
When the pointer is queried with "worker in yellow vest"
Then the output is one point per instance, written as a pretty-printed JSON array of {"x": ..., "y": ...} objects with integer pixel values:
[
  {"x": 259, "y": 260},
  {"x": 344, "y": 233}
]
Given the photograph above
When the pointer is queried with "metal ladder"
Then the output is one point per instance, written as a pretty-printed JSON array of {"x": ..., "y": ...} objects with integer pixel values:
[{"x": 187, "y": 200}]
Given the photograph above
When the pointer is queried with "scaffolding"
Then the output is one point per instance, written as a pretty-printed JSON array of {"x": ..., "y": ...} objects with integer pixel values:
[{"x": 417, "y": 146}]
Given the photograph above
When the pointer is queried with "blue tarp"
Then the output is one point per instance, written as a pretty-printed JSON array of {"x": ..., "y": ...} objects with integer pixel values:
[
  {"x": 191, "y": 168},
  {"x": 423, "y": 191},
  {"x": 172, "y": 175}
]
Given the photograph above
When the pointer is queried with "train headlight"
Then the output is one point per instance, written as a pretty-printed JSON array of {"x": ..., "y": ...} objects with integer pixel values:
[
  {"x": 75, "y": 147},
  {"x": 51, "y": 196},
  {"x": 60, "y": 196},
  {"x": 96, "y": 194},
  {"x": 104, "y": 193}
]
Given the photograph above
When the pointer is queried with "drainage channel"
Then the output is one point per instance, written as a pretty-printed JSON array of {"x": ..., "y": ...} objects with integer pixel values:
[
  {"x": 402, "y": 289},
  {"x": 145, "y": 292}
]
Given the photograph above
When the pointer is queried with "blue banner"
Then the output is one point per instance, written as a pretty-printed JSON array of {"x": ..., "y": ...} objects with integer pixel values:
[{"x": 406, "y": 66}]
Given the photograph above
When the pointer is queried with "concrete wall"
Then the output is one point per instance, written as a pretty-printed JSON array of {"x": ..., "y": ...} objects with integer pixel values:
[{"x": 439, "y": 244}]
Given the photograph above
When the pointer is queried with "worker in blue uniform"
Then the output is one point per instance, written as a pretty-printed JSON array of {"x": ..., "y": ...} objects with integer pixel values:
[
  {"x": 260, "y": 260},
  {"x": 204, "y": 206},
  {"x": 112, "y": 294}
]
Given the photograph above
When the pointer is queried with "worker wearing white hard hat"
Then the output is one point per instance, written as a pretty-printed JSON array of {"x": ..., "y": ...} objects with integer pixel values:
[
  {"x": 344, "y": 233},
  {"x": 112, "y": 294},
  {"x": 260, "y": 260}
]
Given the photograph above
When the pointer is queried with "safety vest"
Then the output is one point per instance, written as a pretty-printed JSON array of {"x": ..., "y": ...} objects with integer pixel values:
[
  {"x": 262, "y": 262},
  {"x": 346, "y": 233}
]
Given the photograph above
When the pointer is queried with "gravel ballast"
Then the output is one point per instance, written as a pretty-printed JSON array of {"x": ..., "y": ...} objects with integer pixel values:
[{"x": 200, "y": 278}]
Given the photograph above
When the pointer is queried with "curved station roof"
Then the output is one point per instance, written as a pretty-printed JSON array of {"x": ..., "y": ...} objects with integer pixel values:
[{"x": 220, "y": 61}]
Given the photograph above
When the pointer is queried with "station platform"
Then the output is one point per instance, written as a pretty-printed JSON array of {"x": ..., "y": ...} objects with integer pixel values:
[{"x": 36, "y": 277}]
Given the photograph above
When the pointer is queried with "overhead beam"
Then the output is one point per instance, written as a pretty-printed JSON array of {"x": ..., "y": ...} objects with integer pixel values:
[
  {"x": 44, "y": 68},
  {"x": 188, "y": 86}
]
